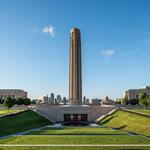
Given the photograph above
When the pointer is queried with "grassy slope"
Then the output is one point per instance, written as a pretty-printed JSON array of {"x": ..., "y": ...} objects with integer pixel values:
[
  {"x": 129, "y": 122},
  {"x": 6, "y": 111},
  {"x": 142, "y": 110},
  {"x": 21, "y": 122}
]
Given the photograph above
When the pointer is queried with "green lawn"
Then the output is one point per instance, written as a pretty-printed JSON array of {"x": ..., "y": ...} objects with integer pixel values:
[
  {"x": 75, "y": 139},
  {"x": 68, "y": 135},
  {"x": 76, "y": 148},
  {"x": 6, "y": 111},
  {"x": 76, "y": 131},
  {"x": 128, "y": 121},
  {"x": 21, "y": 122},
  {"x": 142, "y": 110}
]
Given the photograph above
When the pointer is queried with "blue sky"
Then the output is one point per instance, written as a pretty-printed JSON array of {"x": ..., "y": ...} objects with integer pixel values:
[{"x": 34, "y": 45}]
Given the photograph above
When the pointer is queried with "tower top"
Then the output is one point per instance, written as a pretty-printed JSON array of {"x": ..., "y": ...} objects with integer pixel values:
[{"x": 74, "y": 29}]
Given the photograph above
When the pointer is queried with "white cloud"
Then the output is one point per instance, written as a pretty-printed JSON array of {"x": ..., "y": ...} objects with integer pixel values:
[
  {"x": 48, "y": 30},
  {"x": 108, "y": 52}
]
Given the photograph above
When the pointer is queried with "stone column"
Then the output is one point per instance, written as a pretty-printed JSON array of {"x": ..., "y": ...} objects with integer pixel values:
[{"x": 75, "y": 68}]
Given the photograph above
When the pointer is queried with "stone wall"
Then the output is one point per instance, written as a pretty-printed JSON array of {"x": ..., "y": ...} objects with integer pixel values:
[{"x": 56, "y": 113}]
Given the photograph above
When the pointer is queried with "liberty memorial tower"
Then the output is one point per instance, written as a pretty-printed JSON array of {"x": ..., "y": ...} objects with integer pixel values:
[{"x": 75, "y": 68}]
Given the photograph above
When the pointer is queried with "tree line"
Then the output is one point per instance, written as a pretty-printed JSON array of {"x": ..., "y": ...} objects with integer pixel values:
[
  {"x": 9, "y": 102},
  {"x": 142, "y": 99}
]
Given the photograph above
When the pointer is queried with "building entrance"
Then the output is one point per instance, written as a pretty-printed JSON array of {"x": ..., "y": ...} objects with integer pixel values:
[{"x": 75, "y": 117}]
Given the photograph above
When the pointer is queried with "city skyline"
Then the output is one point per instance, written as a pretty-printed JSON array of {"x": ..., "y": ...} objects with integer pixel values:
[{"x": 34, "y": 48}]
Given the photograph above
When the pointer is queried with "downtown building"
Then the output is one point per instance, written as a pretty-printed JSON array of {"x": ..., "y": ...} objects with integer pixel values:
[
  {"x": 13, "y": 93},
  {"x": 134, "y": 93}
]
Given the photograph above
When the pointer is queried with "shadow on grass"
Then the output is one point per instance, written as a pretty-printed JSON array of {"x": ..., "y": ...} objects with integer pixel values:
[
  {"x": 54, "y": 128},
  {"x": 76, "y": 134},
  {"x": 107, "y": 120},
  {"x": 120, "y": 128}
]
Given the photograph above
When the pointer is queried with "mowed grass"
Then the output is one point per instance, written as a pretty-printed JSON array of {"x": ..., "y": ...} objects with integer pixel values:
[
  {"x": 68, "y": 135},
  {"x": 85, "y": 138},
  {"x": 72, "y": 135},
  {"x": 21, "y": 122},
  {"x": 6, "y": 111},
  {"x": 142, "y": 111},
  {"x": 76, "y": 131},
  {"x": 128, "y": 121},
  {"x": 75, "y": 139},
  {"x": 76, "y": 148}
]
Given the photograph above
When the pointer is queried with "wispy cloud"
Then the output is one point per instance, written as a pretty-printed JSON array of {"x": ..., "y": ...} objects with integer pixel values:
[
  {"x": 48, "y": 30},
  {"x": 45, "y": 30},
  {"x": 108, "y": 53}
]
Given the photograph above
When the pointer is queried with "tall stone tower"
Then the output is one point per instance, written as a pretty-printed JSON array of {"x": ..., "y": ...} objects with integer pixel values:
[{"x": 75, "y": 68}]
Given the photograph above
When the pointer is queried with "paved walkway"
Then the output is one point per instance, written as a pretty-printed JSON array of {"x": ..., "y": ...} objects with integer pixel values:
[{"x": 75, "y": 145}]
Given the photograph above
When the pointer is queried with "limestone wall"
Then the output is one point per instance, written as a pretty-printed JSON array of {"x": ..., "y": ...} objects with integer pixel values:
[{"x": 56, "y": 113}]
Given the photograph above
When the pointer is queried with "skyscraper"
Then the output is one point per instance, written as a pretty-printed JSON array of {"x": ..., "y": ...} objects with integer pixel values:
[
  {"x": 52, "y": 98},
  {"x": 75, "y": 68}
]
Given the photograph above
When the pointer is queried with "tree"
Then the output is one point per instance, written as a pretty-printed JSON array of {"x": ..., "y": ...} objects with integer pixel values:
[
  {"x": 1, "y": 101},
  {"x": 19, "y": 101},
  {"x": 134, "y": 101},
  {"x": 118, "y": 101},
  {"x": 125, "y": 101},
  {"x": 8, "y": 102},
  {"x": 144, "y": 102},
  {"x": 142, "y": 95},
  {"x": 144, "y": 99},
  {"x": 26, "y": 101},
  {"x": 148, "y": 100}
]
